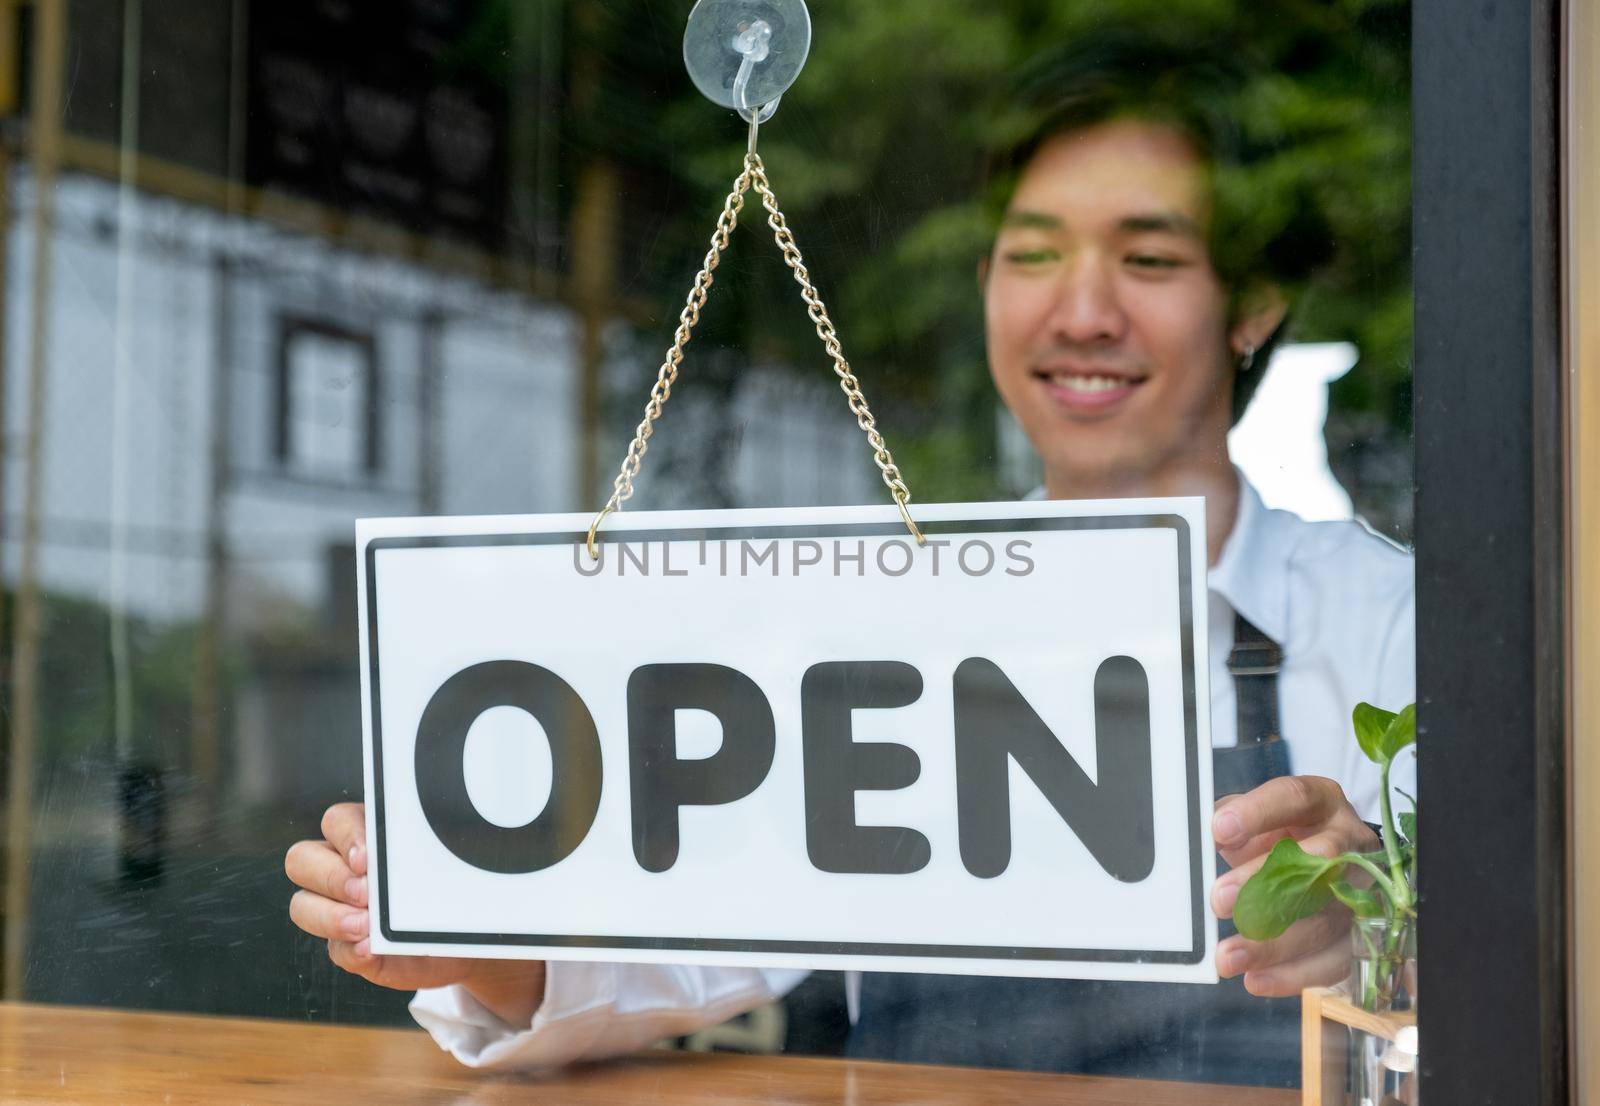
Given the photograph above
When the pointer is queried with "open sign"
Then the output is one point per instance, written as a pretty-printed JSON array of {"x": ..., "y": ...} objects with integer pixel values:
[{"x": 795, "y": 738}]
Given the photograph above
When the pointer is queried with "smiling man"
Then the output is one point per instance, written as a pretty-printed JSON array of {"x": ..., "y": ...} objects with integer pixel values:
[
  {"x": 1124, "y": 328},
  {"x": 1111, "y": 336}
]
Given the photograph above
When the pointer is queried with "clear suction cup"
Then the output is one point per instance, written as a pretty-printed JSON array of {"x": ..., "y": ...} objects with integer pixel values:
[{"x": 744, "y": 54}]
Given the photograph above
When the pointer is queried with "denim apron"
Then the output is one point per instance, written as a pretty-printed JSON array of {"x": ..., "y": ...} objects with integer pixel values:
[{"x": 1182, "y": 1031}]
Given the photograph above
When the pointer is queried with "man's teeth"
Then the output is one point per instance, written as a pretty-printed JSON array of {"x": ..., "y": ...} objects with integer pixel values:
[{"x": 1087, "y": 385}]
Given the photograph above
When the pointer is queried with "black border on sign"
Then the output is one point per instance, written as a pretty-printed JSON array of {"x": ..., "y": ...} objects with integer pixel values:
[{"x": 1193, "y": 955}]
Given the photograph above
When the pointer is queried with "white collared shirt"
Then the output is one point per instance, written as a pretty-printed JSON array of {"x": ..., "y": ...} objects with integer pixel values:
[{"x": 1338, "y": 599}]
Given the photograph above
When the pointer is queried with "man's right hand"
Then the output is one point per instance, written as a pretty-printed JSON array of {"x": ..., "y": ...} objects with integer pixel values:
[{"x": 332, "y": 904}]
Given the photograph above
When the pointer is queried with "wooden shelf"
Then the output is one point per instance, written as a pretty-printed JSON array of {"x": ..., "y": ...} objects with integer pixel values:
[
  {"x": 98, "y": 1057},
  {"x": 1327, "y": 1016}
]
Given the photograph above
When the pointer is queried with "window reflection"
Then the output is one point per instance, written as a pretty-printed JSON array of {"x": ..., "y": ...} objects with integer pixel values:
[{"x": 270, "y": 267}]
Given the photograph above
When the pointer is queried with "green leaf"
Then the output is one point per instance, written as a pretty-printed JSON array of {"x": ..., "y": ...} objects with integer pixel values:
[
  {"x": 1361, "y": 901},
  {"x": 1399, "y": 734},
  {"x": 1291, "y": 885},
  {"x": 1371, "y": 724},
  {"x": 1408, "y": 825}
]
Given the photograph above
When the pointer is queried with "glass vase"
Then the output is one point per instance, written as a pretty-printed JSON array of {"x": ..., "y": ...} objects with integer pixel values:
[{"x": 1383, "y": 982}]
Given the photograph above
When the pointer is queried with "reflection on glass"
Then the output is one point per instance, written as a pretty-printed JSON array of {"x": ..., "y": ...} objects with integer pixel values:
[
  {"x": 269, "y": 267},
  {"x": 1278, "y": 444}
]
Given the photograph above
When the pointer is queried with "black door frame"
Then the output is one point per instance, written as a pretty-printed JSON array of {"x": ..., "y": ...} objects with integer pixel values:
[{"x": 1490, "y": 539}]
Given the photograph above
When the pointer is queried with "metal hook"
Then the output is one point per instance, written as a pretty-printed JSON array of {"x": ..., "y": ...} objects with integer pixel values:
[
  {"x": 900, "y": 501},
  {"x": 753, "y": 44},
  {"x": 594, "y": 554},
  {"x": 756, "y": 118}
]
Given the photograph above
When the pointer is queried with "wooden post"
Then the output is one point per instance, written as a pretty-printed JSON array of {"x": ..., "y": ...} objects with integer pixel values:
[
  {"x": 593, "y": 239},
  {"x": 430, "y": 412},
  {"x": 1582, "y": 256},
  {"x": 206, "y": 709},
  {"x": 536, "y": 31},
  {"x": 122, "y": 370},
  {"x": 1326, "y": 1018},
  {"x": 1322, "y": 1045},
  {"x": 8, "y": 106},
  {"x": 594, "y": 251},
  {"x": 44, "y": 133},
  {"x": 205, "y": 721}
]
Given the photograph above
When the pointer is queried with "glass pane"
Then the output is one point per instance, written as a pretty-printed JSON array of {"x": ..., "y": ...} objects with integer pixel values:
[{"x": 273, "y": 267}]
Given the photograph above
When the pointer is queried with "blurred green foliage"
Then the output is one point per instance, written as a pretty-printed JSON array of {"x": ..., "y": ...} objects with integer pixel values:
[
  {"x": 77, "y": 687},
  {"x": 877, "y": 157}
]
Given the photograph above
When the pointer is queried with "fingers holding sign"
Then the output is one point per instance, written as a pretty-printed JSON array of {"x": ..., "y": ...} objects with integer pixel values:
[
  {"x": 315, "y": 866},
  {"x": 331, "y": 875},
  {"x": 344, "y": 827},
  {"x": 1315, "y": 812},
  {"x": 331, "y": 903}
]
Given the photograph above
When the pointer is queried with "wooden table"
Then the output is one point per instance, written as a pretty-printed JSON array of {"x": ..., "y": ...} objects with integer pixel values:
[{"x": 95, "y": 1057}]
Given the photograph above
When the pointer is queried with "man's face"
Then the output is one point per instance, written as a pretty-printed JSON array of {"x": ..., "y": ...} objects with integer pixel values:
[{"x": 1107, "y": 325}]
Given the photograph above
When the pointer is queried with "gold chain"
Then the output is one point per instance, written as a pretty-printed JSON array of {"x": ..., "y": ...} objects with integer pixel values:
[
  {"x": 754, "y": 173},
  {"x": 661, "y": 391}
]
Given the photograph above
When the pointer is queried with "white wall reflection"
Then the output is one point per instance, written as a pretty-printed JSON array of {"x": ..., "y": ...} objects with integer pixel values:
[{"x": 1279, "y": 443}]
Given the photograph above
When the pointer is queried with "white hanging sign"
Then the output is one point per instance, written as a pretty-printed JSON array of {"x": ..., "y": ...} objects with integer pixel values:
[{"x": 794, "y": 738}]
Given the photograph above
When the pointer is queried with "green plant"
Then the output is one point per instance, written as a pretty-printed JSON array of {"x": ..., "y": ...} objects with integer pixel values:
[{"x": 1294, "y": 884}]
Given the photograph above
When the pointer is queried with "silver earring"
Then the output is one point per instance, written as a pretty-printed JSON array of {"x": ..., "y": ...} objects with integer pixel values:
[{"x": 1248, "y": 361}]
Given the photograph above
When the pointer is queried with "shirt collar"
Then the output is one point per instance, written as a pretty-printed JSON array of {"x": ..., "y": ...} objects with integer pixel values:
[{"x": 1252, "y": 573}]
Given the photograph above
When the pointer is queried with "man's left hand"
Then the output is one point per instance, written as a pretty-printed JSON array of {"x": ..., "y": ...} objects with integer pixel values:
[{"x": 1315, "y": 951}]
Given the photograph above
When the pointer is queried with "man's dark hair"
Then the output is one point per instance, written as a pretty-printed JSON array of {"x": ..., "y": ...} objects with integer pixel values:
[{"x": 1266, "y": 227}]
